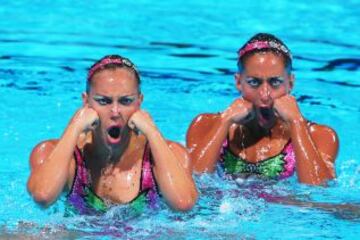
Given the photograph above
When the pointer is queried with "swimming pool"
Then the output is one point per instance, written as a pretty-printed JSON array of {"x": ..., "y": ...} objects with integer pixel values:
[{"x": 186, "y": 54}]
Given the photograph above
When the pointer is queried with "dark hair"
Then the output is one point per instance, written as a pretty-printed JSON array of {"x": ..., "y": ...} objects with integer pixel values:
[
  {"x": 264, "y": 42},
  {"x": 111, "y": 62}
]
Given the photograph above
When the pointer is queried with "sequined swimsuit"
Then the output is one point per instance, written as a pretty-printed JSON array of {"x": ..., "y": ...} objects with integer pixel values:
[
  {"x": 276, "y": 167},
  {"x": 82, "y": 199}
]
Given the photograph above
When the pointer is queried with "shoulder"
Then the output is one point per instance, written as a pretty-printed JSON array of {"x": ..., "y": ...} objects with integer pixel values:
[
  {"x": 323, "y": 132},
  {"x": 41, "y": 151},
  {"x": 181, "y": 153},
  {"x": 325, "y": 138},
  {"x": 202, "y": 122},
  {"x": 205, "y": 119}
]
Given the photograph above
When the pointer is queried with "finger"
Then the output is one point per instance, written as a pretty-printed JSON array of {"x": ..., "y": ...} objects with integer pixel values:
[
  {"x": 277, "y": 114},
  {"x": 95, "y": 123},
  {"x": 131, "y": 124},
  {"x": 250, "y": 116},
  {"x": 136, "y": 131}
]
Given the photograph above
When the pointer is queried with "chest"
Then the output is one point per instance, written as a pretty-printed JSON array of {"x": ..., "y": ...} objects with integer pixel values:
[
  {"x": 255, "y": 147},
  {"x": 119, "y": 183},
  {"x": 258, "y": 151}
]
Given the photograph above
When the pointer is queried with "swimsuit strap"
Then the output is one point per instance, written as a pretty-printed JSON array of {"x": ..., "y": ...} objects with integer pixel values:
[
  {"x": 81, "y": 170},
  {"x": 290, "y": 160},
  {"x": 147, "y": 178},
  {"x": 224, "y": 146}
]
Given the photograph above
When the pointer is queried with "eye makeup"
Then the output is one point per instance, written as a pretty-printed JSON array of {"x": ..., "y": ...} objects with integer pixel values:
[
  {"x": 123, "y": 100},
  {"x": 274, "y": 82}
]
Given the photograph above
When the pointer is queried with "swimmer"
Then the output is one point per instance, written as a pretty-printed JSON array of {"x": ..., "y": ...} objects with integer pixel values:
[
  {"x": 111, "y": 152},
  {"x": 263, "y": 133}
]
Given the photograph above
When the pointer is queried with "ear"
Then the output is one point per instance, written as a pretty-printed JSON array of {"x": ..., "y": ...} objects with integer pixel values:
[
  {"x": 291, "y": 82},
  {"x": 141, "y": 98},
  {"x": 238, "y": 77},
  {"x": 85, "y": 98}
]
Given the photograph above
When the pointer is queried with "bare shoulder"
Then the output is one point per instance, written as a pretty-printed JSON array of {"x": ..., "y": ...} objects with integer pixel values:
[
  {"x": 200, "y": 124},
  {"x": 181, "y": 153},
  {"x": 323, "y": 132},
  {"x": 325, "y": 139},
  {"x": 41, "y": 151},
  {"x": 205, "y": 120}
]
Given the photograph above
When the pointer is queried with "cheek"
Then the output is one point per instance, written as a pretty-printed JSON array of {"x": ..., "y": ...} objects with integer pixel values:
[
  {"x": 126, "y": 112},
  {"x": 248, "y": 93},
  {"x": 278, "y": 93},
  {"x": 103, "y": 113}
]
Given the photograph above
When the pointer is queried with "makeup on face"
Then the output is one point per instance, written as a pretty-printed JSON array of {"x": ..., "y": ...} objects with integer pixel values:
[
  {"x": 274, "y": 82},
  {"x": 113, "y": 128},
  {"x": 125, "y": 100}
]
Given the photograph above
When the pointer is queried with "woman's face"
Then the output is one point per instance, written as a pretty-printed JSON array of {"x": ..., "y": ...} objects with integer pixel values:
[
  {"x": 114, "y": 95},
  {"x": 263, "y": 80}
]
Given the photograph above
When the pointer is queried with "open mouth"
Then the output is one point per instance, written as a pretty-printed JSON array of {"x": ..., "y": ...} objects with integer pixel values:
[
  {"x": 266, "y": 117},
  {"x": 114, "y": 132},
  {"x": 267, "y": 113}
]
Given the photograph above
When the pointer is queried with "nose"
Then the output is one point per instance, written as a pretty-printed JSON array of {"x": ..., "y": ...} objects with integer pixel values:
[
  {"x": 115, "y": 109},
  {"x": 265, "y": 94}
]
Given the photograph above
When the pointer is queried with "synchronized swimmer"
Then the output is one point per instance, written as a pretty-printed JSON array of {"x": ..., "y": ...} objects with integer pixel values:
[{"x": 112, "y": 152}]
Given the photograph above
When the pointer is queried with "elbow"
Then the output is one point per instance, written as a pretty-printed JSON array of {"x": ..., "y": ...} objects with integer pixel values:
[
  {"x": 203, "y": 169},
  {"x": 186, "y": 204},
  {"x": 318, "y": 179},
  {"x": 317, "y": 182},
  {"x": 40, "y": 196}
]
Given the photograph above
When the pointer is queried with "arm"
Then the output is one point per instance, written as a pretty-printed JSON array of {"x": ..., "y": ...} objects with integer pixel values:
[
  {"x": 315, "y": 147},
  {"x": 204, "y": 140},
  {"x": 51, "y": 161},
  {"x": 207, "y": 134},
  {"x": 171, "y": 164}
]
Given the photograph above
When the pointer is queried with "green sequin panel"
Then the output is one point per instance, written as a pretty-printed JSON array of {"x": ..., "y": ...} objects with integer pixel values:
[{"x": 270, "y": 168}]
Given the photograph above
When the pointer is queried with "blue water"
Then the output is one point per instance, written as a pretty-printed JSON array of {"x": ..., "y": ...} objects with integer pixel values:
[{"x": 186, "y": 54}]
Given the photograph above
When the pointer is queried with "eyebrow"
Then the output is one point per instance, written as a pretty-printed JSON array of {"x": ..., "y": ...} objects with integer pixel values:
[
  {"x": 127, "y": 95},
  {"x": 260, "y": 78}
]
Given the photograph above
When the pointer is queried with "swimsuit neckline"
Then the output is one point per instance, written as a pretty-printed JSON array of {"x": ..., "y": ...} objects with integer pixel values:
[
  {"x": 82, "y": 173},
  {"x": 228, "y": 149}
]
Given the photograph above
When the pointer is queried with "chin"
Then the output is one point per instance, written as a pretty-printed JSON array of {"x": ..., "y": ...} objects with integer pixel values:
[
  {"x": 266, "y": 117},
  {"x": 268, "y": 125}
]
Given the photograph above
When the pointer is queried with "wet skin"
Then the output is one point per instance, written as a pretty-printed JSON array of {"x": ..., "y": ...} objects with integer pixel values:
[
  {"x": 261, "y": 122},
  {"x": 105, "y": 129}
]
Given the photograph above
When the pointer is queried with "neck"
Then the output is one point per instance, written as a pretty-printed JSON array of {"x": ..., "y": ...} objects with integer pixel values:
[
  {"x": 256, "y": 130},
  {"x": 278, "y": 129},
  {"x": 104, "y": 154}
]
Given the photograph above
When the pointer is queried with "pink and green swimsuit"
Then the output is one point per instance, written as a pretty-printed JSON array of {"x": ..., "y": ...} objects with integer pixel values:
[
  {"x": 82, "y": 199},
  {"x": 276, "y": 167}
]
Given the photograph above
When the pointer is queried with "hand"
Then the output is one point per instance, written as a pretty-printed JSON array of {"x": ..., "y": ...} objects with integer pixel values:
[
  {"x": 141, "y": 121},
  {"x": 287, "y": 108},
  {"x": 240, "y": 111},
  {"x": 85, "y": 119}
]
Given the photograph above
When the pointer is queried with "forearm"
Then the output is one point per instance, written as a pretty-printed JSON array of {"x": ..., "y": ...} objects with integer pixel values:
[
  {"x": 48, "y": 179},
  {"x": 174, "y": 181},
  {"x": 311, "y": 168},
  {"x": 206, "y": 152}
]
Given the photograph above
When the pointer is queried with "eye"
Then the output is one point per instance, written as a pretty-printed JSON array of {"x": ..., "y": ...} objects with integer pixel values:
[
  {"x": 253, "y": 82},
  {"x": 126, "y": 101},
  {"x": 275, "y": 82},
  {"x": 103, "y": 101}
]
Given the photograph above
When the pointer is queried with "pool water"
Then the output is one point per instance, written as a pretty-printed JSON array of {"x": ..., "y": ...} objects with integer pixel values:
[{"x": 186, "y": 53}]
